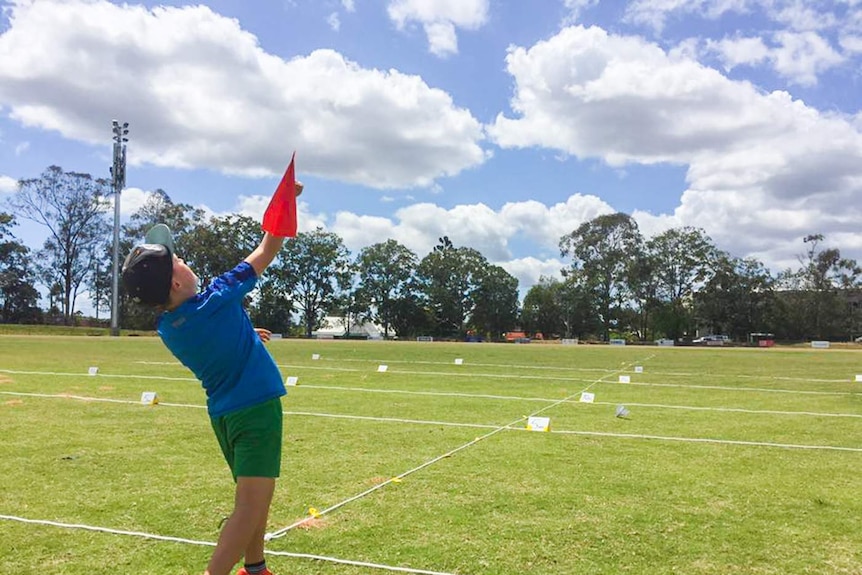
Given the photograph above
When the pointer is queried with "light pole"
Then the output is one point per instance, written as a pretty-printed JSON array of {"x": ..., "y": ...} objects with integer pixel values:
[{"x": 118, "y": 180}]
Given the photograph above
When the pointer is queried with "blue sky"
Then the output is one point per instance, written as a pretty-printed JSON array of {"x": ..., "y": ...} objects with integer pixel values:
[{"x": 502, "y": 124}]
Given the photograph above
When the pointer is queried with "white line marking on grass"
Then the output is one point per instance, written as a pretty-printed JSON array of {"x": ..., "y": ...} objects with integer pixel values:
[
  {"x": 727, "y": 388},
  {"x": 548, "y": 400},
  {"x": 584, "y": 369},
  {"x": 496, "y": 398},
  {"x": 467, "y": 376},
  {"x": 282, "y": 532},
  {"x": 108, "y": 375},
  {"x": 734, "y": 409},
  {"x": 477, "y": 425},
  {"x": 709, "y": 440},
  {"x": 212, "y": 544}
]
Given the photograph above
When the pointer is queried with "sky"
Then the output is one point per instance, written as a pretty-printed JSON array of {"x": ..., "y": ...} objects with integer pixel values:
[{"x": 503, "y": 124}]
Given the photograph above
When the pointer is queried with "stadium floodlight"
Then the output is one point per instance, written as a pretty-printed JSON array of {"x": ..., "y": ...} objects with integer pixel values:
[{"x": 118, "y": 182}]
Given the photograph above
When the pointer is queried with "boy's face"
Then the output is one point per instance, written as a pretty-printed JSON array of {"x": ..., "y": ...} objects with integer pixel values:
[{"x": 184, "y": 274}]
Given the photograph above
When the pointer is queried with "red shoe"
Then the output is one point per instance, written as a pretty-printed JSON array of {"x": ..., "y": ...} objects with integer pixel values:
[{"x": 242, "y": 571}]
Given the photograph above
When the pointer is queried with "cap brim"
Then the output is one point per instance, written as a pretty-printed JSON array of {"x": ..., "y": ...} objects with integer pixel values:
[{"x": 161, "y": 234}]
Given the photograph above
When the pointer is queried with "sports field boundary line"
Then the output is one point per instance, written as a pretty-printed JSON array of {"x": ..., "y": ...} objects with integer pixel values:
[
  {"x": 186, "y": 541},
  {"x": 477, "y": 426},
  {"x": 495, "y": 376},
  {"x": 558, "y": 368},
  {"x": 283, "y": 531},
  {"x": 400, "y": 420},
  {"x": 539, "y": 399},
  {"x": 474, "y": 396}
]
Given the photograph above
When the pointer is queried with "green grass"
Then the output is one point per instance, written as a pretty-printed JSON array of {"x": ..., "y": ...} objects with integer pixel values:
[{"x": 695, "y": 480}]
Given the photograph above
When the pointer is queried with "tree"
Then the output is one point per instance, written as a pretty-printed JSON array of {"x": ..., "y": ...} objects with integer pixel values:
[
  {"x": 542, "y": 310},
  {"x": 448, "y": 278},
  {"x": 681, "y": 260},
  {"x": 315, "y": 267},
  {"x": 72, "y": 206},
  {"x": 496, "y": 302},
  {"x": 737, "y": 300},
  {"x": 385, "y": 270},
  {"x": 601, "y": 249},
  {"x": 18, "y": 298},
  {"x": 212, "y": 247},
  {"x": 816, "y": 295}
]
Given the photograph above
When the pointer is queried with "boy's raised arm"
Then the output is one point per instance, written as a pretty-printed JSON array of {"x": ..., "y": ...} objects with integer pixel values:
[{"x": 263, "y": 254}]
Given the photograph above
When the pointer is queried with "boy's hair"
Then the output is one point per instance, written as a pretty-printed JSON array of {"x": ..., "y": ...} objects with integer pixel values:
[{"x": 147, "y": 274}]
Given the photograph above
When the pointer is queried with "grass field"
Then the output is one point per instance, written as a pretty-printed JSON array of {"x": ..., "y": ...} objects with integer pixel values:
[{"x": 730, "y": 461}]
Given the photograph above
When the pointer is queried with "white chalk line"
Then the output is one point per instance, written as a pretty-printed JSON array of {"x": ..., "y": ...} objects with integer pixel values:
[
  {"x": 572, "y": 380},
  {"x": 502, "y": 397},
  {"x": 186, "y": 541},
  {"x": 398, "y": 478},
  {"x": 565, "y": 368},
  {"x": 496, "y": 376},
  {"x": 400, "y": 420},
  {"x": 526, "y": 367}
]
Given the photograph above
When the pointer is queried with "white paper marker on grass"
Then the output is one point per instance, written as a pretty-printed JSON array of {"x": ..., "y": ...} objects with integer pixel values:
[
  {"x": 459, "y": 361},
  {"x": 625, "y": 379},
  {"x": 639, "y": 369},
  {"x": 149, "y": 398},
  {"x": 382, "y": 368},
  {"x": 587, "y": 397},
  {"x": 292, "y": 381},
  {"x": 93, "y": 370},
  {"x": 859, "y": 378},
  {"x": 315, "y": 356},
  {"x": 539, "y": 423}
]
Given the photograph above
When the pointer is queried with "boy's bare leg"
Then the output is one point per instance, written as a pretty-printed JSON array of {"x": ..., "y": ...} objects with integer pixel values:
[
  {"x": 245, "y": 525},
  {"x": 254, "y": 550}
]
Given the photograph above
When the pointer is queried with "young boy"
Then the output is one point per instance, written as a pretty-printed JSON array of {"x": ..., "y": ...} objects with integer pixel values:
[{"x": 211, "y": 334}]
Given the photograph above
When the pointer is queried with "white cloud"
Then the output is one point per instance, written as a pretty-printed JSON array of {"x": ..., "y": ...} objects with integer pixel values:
[
  {"x": 737, "y": 51},
  {"x": 8, "y": 185},
  {"x": 199, "y": 92},
  {"x": 439, "y": 18},
  {"x": 852, "y": 43},
  {"x": 334, "y": 21},
  {"x": 799, "y": 57},
  {"x": 763, "y": 169},
  {"x": 575, "y": 7},
  {"x": 803, "y": 16},
  {"x": 21, "y": 148},
  {"x": 799, "y": 31},
  {"x": 530, "y": 270},
  {"x": 348, "y": 5},
  {"x": 654, "y": 13},
  {"x": 131, "y": 200},
  {"x": 802, "y": 56},
  {"x": 492, "y": 233}
]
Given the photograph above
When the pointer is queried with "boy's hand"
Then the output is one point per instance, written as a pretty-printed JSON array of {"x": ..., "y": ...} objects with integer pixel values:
[
  {"x": 263, "y": 333},
  {"x": 298, "y": 187}
]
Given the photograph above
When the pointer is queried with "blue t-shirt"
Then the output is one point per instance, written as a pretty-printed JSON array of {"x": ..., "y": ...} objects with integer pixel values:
[{"x": 212, "y": 335}]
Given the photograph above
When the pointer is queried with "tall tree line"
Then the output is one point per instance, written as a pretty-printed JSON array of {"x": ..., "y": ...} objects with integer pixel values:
[{"x": 616, "y": 284}]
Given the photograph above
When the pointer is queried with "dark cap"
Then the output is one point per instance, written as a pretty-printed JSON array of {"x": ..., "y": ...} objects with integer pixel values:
[
  {"x": 148, "y": 270},
  {"x": 147, "y": 274}
]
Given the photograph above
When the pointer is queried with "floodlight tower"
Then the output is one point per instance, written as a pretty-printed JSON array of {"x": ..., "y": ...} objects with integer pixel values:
[{"x": 118, "y": 181}]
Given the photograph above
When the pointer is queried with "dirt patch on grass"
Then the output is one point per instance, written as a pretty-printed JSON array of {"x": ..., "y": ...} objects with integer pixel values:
[
  {"x": 13, "y": 402},
  {"x": 312, "y": 523},
  {"x": 4, "y": 379}
]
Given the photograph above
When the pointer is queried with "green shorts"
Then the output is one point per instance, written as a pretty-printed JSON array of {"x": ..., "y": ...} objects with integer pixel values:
[{"x": 250, "y": 439}]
